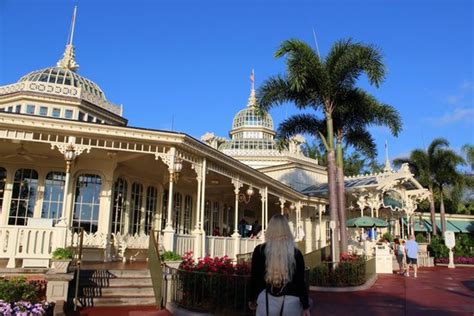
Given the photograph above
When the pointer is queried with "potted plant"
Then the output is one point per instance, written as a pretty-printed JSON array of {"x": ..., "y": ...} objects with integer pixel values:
[
  {"x": 171, "y": 259},
  {"x": 61, "y": 259}
]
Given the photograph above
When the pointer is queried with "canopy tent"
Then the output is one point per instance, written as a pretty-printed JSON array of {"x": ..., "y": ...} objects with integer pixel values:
[{"x": 366, "y": 221}]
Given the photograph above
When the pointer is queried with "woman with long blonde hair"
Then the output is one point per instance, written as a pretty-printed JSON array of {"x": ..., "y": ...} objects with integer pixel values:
[{"x": 277, "y": 281}]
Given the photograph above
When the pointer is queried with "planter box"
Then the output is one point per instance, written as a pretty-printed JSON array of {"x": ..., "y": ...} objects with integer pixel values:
[{"x": 60, "y": 265}]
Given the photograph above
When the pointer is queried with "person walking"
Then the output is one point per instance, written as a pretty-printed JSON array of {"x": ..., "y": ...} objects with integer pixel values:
[
  {"x": 412, "y": 255},
  {"x": 277, "y": 284},
  {"x": 400, "y": 254}
]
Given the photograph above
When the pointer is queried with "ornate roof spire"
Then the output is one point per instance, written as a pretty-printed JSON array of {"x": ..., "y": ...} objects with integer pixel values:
[
  {"x": 252, "y": 99},
  {"x": 388, "y": 165},
  {"x": 68, "y": 61}
]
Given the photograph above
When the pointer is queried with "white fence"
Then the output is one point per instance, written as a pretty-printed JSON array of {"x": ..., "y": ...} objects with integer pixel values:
[
  {"x": 248, "y": 244},
  {"x": 33, "y": 245},
  {"x": 183, "y": 244},
  {"x": 220, "y": 246}
]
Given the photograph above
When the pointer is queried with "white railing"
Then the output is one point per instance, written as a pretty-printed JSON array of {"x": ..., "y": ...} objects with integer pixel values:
[
  {"x": 220, "y": 246},
  {"x": 30, "y": 243},
  {"x": 249, "y": 244},
  {"x": 183, "y": 243}
]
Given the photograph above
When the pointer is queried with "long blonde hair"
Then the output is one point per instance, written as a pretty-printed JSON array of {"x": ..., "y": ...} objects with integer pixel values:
[{"x": 279, "y": 252}]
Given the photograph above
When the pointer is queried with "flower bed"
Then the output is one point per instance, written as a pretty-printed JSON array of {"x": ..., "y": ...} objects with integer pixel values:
[
  {"x": 457, "y": 260},
  {"x": 23, "y": 308},
  {"x": 214, "y": 285},
  {"x": 18, "y": 296}
]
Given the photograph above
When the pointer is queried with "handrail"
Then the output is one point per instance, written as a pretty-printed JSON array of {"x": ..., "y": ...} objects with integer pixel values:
[
  {"x": 78, "y": 266},
  {"x": 156, "y": 270}
]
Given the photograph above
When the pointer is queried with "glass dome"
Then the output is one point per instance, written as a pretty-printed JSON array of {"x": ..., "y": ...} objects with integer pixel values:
[
  {"x": 249, "y": 144},
  {"x": 250, "y": 117},
  {"x": 59, "y": 75}
]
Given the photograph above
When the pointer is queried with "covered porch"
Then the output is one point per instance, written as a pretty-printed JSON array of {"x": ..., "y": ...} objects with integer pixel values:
[{"x": 120, "y": 183}]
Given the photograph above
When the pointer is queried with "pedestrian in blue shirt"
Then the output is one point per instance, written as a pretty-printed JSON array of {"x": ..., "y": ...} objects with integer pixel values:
[{"x": 411, "y": 248}]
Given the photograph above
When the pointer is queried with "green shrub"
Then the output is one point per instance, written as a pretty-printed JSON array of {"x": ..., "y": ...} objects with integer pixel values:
[
  {"x": 170, "y": 256},
  {"x": 17, "y": 289},
  {"x": 62, "y": 253},
  {"x": 464, "y": 246},
  {"x": 420, "y": 238},
  {"x": 346, "y": 273},
  {"x": 387, "y": 236}
]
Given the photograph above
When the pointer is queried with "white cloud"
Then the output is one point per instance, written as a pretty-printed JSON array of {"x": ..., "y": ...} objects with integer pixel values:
[
  {"x": 463, "y": 94},
  {"x": 458, "y": 115}
]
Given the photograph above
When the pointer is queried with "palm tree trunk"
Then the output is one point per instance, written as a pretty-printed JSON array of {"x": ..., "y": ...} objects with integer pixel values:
[
  {"x": 332, "y": 182},
  {"x": 432, "y": 211},
  {"x": 441, "y": 211},
  {"x": 341, "y": 198}
]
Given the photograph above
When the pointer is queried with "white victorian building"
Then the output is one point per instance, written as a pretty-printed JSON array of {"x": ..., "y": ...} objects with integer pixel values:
[{"x": 68, "y": 160}]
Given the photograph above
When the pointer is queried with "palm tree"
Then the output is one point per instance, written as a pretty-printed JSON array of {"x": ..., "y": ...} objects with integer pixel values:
[
  {"x": 320, "y": 84},
  {"x": 435, "y": 168},
  {"x": 468, "y": 150},
  {"x": 352, "y": 117}
]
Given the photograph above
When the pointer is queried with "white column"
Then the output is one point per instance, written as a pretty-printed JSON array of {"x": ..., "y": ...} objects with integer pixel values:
[
  {"x": 197, "y": 232},
  {"x": 159, "y": 208},
  {"x": 203, "y": 205},
  {"x": 266, "y": 210},
  {"x": 7, "y": 196},
  {"x": 237, "y": 184},
  {"x": 105, "y": 216},
  {"x": 168, "y": 232},
  {"x": 320, "y": 217},
  {"x": 262, "y": 199}
]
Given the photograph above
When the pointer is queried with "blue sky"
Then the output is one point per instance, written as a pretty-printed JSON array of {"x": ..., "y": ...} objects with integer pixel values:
[{"x": 185, "y": 64}]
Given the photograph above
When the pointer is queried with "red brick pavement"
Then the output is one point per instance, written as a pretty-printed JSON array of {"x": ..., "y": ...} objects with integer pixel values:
[{"x": 436, "y": 291}]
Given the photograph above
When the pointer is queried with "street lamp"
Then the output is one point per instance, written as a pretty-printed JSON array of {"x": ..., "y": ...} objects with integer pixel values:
[
  {"x": 245, "y": 198},
  {"x": 176, "y": 171},
  {"x": 69, "y": 156}
]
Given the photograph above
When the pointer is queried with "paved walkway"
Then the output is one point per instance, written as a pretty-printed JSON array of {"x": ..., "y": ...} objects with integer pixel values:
[{"x": 436, "y": 291}]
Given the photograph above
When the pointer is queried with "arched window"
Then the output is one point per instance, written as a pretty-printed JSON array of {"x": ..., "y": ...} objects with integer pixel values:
[
  {"x": 178, "y": 205},
  {"x": 188, "y": 206},
  {"x": 118, "y": 211},
  {"x": 137, "y": 195},
  {"x": 207, "y": 217},
  {"x": 3, "y": 180},
  {"x": 53, "y": 195},
  {"x": 150, "y": 207},
  {"x": 87, "y": 202},
  {"x": 164, "y": 209},
  {"x": 22, "y": 206}
]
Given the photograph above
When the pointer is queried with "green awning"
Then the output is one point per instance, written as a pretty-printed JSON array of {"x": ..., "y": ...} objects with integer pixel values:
[
  {"x": 465, "y": 226},
  {"x": 419, "y": 226}
]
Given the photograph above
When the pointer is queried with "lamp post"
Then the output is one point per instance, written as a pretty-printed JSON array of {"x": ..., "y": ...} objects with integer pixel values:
[{"x": 70, "y": 155}]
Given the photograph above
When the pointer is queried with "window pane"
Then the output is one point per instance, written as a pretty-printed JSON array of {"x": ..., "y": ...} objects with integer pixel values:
[
  {"x": 25, "y": 185},
  {"x": 68, "y": 114},
  {"x": 118, "y": 211},
  {"x": 43, "y": 110},
  {"x": 137, "y": 194},
  {"x": 18, "y": 108},
  {"x": 87, "y": 202},
  {"x": 56, "y": 112},
  {"x": 3, "y": 179},
  {"x": 30, "y": 109},
  {"x": 53, "y": 195}
]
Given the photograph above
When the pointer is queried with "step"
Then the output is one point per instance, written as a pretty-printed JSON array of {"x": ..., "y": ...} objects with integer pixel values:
[
  {"x": 110, "y": 274},
  {"x": 118, "y": 301},
  {"x": 117, "y": 291}
]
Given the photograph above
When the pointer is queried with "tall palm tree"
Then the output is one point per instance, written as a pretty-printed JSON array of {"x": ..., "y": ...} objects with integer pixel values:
[
  {"x": 318, "y": 84},
  {"x": 351, "y": 118},
  {"x": 435, "y": 168}
]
